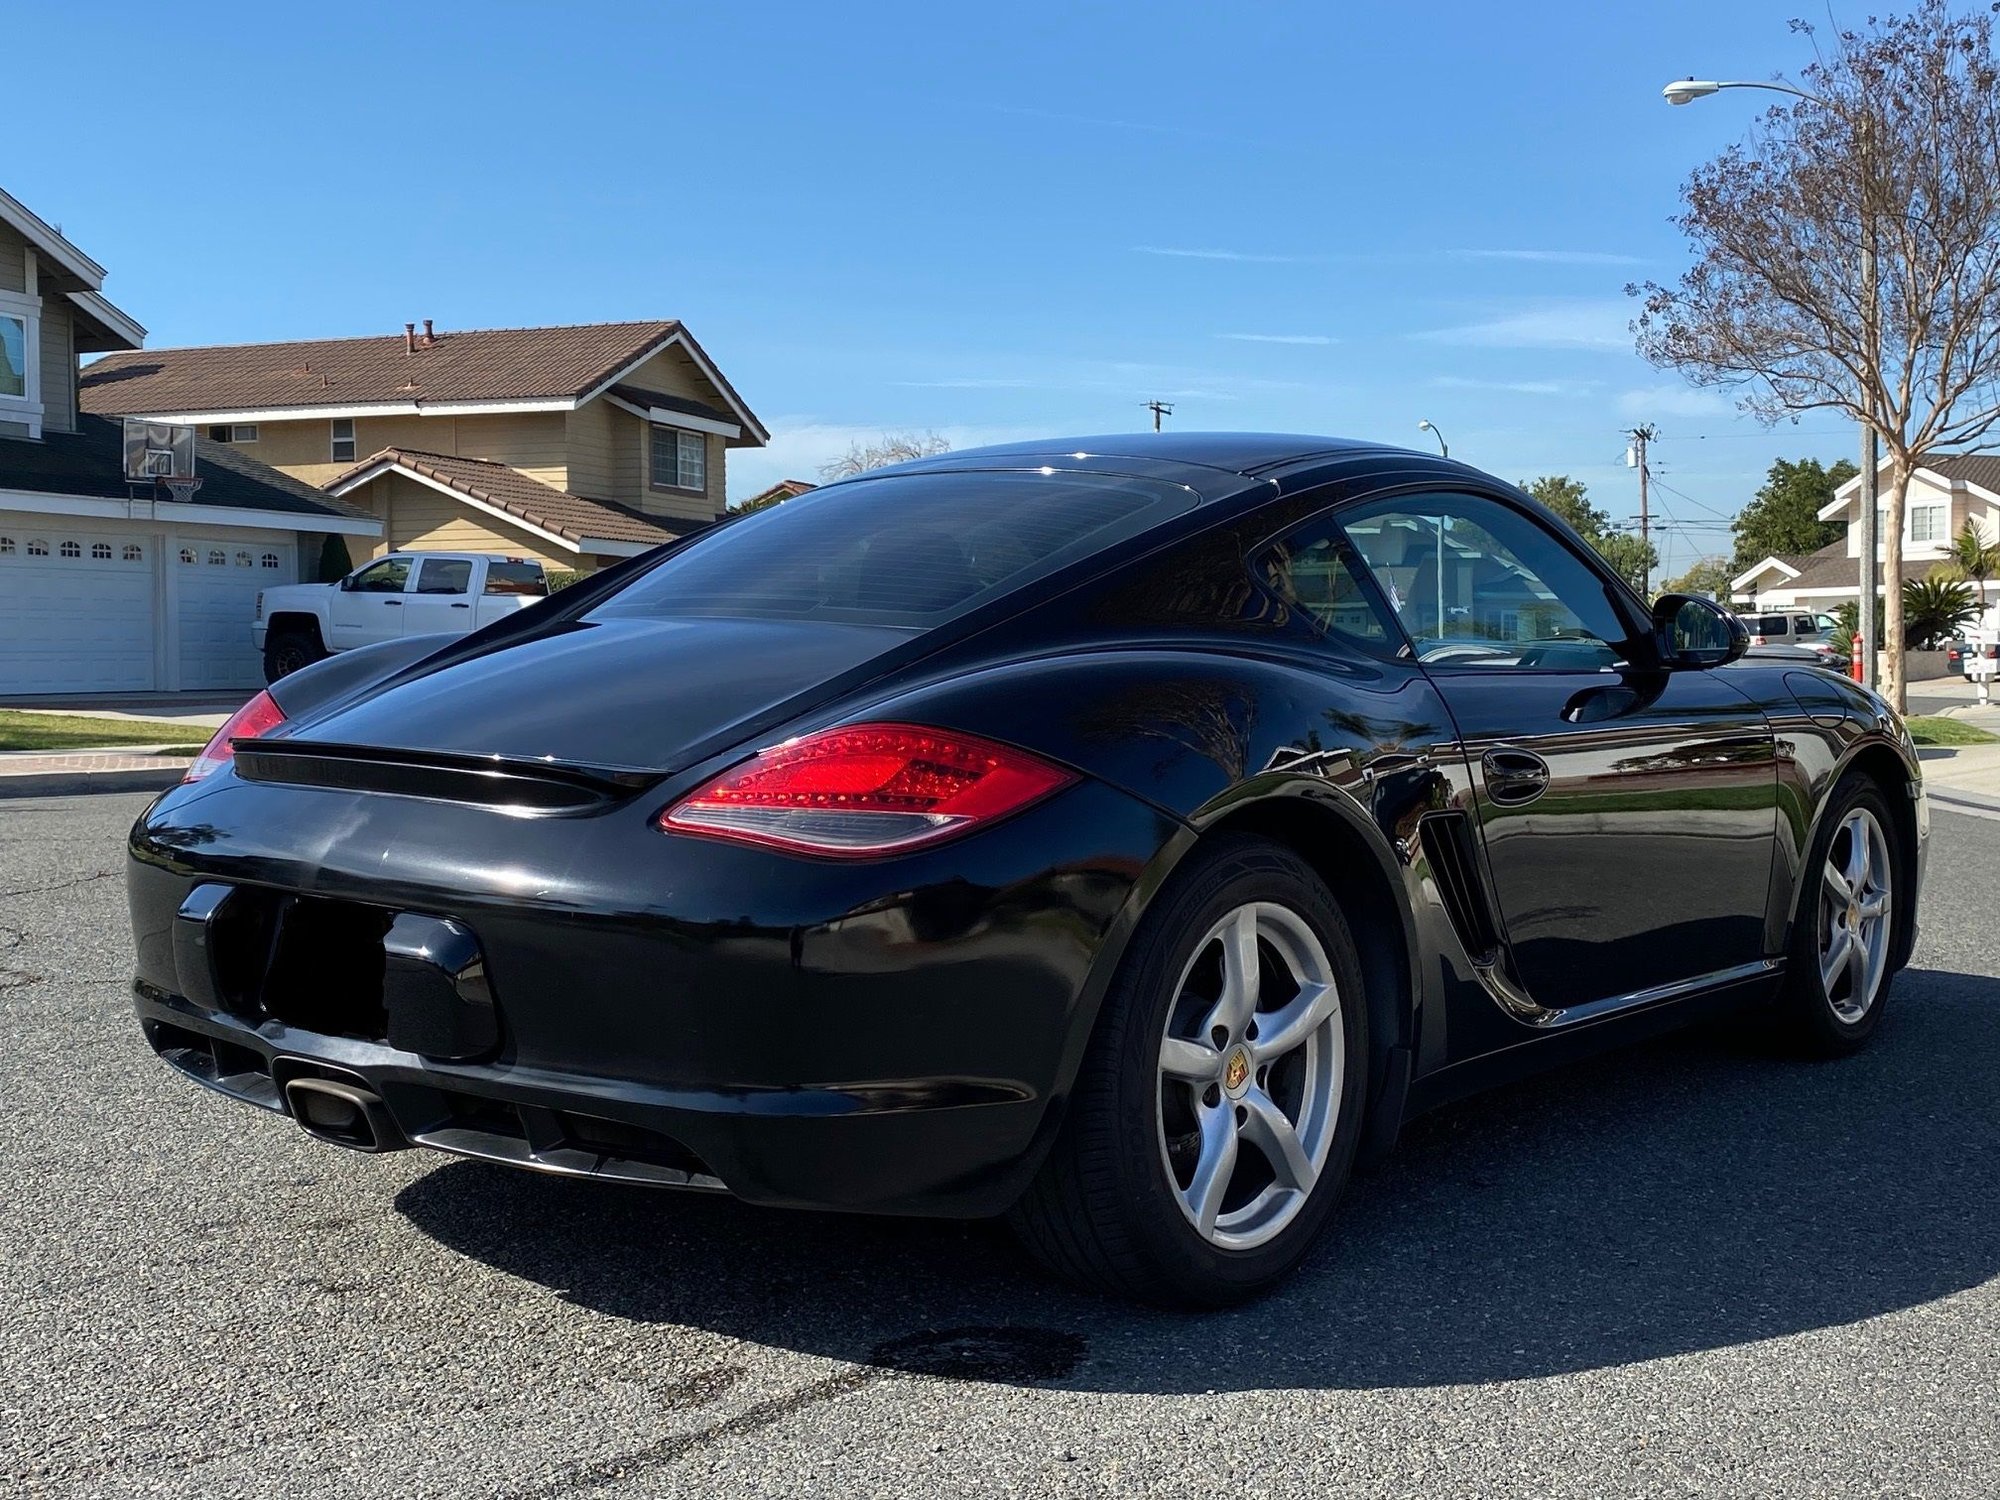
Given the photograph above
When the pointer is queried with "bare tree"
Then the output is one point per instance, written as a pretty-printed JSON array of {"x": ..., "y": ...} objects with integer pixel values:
[
  {"x": 1899, "y": 142},
  {"x": 890, "y": 448}
]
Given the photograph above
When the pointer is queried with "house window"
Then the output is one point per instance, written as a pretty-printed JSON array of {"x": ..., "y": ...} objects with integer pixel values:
[
  {"x": 134, "y": 552},
  {"x": 100, "y": 552},
  {"x": 14, "y": 356},
  {"x": 6, "y": 546},
  {"x": 71, "y": 549},
  {"x": 37, "y": 547},
  {"x": 270, "y": 560},
  {"x": 233, "y": 432},
  {"x": 680, "y": 459},
  {"x": 218, "y": 559},
  {"x": 1926, "y": 523},
  {"x": 343, "y": 440},
  {"x": 188, "y": 555},
  {"x": 20, "y": 360},
  {"x": 243, "y": 560}
]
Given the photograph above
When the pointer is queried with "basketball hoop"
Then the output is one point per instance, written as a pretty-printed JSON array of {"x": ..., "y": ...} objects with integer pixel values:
[{"x": 181, "y": 486}]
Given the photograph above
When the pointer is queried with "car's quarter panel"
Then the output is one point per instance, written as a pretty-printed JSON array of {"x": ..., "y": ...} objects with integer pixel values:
[{"x": 769, "y": 1012}]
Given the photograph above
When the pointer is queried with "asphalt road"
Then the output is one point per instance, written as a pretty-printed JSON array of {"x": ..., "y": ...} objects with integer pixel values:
[{"x": 1690, "y": 1268}]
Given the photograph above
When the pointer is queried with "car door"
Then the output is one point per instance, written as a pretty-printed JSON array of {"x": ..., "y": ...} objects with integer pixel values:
[
  {"x": 368, "y": 605},
  {"x": 1628, "y": 813},
  {"x": 440, "y": 598}
]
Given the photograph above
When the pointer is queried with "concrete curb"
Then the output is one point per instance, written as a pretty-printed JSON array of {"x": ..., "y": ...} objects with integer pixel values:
[{"x": 81, "y": 783}]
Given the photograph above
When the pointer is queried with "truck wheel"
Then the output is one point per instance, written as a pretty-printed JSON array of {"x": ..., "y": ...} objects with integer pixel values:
[{"x": 290, "y": 650}]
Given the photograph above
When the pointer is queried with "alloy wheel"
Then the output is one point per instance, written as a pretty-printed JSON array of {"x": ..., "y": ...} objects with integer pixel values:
[
  {"x": 1855, "y": 912},
  {"x": 1250, "y": 1075}
]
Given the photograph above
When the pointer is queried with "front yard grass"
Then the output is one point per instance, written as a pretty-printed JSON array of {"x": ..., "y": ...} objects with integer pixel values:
[
  {"x": 1931, "y": 730},
  {"x": 29, "y": 731}
]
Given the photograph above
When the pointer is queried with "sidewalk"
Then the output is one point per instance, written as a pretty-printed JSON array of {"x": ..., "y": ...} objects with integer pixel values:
[{"x": 1965, "y": 779}]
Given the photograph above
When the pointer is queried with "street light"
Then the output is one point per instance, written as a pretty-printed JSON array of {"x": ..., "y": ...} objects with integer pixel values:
[
  {"x": 1686, "y": 91},
  {"x": 1429, "y": 426}
]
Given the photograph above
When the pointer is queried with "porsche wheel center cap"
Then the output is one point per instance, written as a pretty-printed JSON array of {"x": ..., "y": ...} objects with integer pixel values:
[{"x": 1236, "y": 1074}]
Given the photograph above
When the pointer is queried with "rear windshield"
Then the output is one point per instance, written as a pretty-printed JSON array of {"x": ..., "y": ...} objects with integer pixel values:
[
  {"x": 1766, "y": 624},
  {"x": 516, "y": 578},
  {"x": 911, "y": 550}
]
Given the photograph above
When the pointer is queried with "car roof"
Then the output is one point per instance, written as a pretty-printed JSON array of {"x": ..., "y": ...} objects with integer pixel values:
[{"x": 1246, "y": 453}]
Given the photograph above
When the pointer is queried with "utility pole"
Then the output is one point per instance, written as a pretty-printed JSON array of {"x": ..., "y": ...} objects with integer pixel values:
[
  {"x": 1640, "y": 437},
  {"x": 1159, "y": 409}
]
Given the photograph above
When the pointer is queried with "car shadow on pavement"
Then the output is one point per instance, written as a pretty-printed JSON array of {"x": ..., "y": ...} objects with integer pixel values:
[{"x": 1689, "y": 1194}]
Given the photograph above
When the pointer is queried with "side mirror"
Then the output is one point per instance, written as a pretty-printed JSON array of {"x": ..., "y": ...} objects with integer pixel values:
[
  {"x": 1696, "y": 632},
  {"x": 347, "y": 583}
]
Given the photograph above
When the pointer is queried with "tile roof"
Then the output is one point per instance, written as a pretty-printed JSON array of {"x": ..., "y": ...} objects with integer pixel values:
[
  {"x": 91, "y": 461},
  {"x": 569, "y": 516},
  {"x": 1831, "y": 568},
  {"x": 784, "y": 489},
  {"x": 1982, "y": 469},
  {"x": 486, "y": 364}
]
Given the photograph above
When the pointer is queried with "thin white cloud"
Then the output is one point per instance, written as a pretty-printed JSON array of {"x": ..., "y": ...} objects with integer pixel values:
[
  {"x": 1277, "y": 338},
  {"x": 1555, "y": 257},
  {"x": 1673, "y": 401},
  {"x": 1598, "y": 325},
  {"x": 1515, "y": 387},
  {"x": 1246, "y": 256}
]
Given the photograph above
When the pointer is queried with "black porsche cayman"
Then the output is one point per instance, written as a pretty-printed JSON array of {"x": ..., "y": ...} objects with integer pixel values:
[{"x": 1121, "y": 834}]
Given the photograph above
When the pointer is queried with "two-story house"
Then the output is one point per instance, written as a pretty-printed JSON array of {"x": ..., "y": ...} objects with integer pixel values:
[
  {"x": 1946, "y": 495},
  {"x": 107, "y": 586},
  {"x": 575, "y": 445}
]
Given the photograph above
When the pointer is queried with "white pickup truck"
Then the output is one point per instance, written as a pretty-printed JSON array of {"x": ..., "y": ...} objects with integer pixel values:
[{"x": 405, "y": 593}]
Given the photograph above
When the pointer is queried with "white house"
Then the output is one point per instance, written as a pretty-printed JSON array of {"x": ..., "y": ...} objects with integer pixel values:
[
  {"x": 105, "y": 586},
  {"x": 1949, "y": 492}
]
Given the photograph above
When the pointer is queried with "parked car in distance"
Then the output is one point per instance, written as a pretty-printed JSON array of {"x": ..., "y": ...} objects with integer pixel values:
[
  {"x": 1124, "y": 835},
  {"x": 1807, "y": 654},
  {"x": 405, "y": 593},
  {"x": 1785, "y": 628}
]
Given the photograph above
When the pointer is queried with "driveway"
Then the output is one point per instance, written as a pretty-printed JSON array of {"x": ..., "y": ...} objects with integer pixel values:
[{"x": 1691, "y": 1267}]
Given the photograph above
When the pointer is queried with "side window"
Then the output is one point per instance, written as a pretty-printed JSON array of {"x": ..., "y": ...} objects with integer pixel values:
[
  {"x": 1309, "y": 570},
  {"x": 445, "y": 575},
  {"x": 385, "y": 577},
  {"x": 1475, "y": 583}
]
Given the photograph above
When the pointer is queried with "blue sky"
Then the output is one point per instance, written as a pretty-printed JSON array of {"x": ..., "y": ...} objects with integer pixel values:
[{"x": 993, "y": 221}]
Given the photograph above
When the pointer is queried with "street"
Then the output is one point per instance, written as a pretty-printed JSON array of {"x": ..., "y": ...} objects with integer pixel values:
[{"x": 1690, "y": 1267}]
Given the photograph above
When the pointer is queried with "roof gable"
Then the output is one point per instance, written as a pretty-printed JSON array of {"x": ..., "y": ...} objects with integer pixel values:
[{"x": 580, "y": 524}]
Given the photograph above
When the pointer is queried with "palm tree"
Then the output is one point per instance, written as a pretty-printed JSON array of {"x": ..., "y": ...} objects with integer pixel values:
[
  {"x": 1972, "y": 558},
  {"x": 1933, "y": 610}
]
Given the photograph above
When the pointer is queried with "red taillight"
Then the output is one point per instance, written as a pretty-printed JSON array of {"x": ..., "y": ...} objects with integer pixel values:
[
  {"x": 259, "y": 716},
  {"x": 865, "y": 790},
  {"x": 1756, "y": 640}
]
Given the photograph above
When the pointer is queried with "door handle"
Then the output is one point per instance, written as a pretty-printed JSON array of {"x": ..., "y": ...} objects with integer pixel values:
[
  {"x": 1514, "y": 777},
  {"x": 461, "y": 606},
  {"x": 398, "y": 603}
]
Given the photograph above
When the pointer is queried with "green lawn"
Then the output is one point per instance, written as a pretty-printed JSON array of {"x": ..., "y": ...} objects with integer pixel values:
[
  {"x": 1938, "y": 730},
  {"x": 25, "y": 731}
]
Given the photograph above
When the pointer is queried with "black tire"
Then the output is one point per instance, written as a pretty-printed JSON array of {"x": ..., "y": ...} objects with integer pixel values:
[
  {"x": 289, "y": 650},
  {"x": 1103, "y": 1211},
  {"x": 1808, "y": 1018}
]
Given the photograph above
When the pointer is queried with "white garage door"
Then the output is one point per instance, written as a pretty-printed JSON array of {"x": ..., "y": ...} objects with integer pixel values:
[
  {"x": 76, "y": 608},
  {"x": 217, "y": 583}
]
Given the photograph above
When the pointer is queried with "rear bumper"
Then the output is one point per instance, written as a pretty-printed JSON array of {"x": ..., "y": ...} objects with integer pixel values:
[{"x": 781, "y": 1033}]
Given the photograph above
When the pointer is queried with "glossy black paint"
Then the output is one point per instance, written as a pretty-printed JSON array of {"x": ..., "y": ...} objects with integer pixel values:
[{"x": 899, "y": 1034}]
